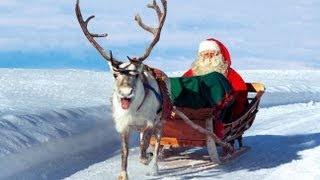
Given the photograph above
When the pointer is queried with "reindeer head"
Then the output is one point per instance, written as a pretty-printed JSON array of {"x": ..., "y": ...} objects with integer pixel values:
[
  {"x": 126, "y": 74},
  {"x": 127, "y": 80}
]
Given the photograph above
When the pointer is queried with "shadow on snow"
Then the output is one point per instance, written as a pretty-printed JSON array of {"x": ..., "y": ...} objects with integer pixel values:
[{"x": 268, "y": 151}]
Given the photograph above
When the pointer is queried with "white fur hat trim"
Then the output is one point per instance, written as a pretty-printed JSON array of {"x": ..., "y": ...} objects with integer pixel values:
[{"x": 208, "y": 45}]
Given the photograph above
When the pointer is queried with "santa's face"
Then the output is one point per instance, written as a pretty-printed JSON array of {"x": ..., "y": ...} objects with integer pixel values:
[
  {"x": 209, "y": 58},
  {"x": 208, "y": 53},
  {"x": 209, "y": 61}
]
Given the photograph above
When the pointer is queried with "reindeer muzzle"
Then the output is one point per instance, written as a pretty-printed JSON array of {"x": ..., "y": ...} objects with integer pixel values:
[{"x": 125, "y": 103}]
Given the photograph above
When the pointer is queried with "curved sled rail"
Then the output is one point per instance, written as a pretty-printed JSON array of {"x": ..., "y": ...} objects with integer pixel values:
[{"x": 236, "y": 128}]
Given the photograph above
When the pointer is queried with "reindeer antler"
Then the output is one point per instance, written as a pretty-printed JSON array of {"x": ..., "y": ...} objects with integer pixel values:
[
  {"x": 90, "y": 36},
  {"x": 155, "y": 31}
]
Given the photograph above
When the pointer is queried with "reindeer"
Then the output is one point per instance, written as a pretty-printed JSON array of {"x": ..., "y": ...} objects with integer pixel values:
[{"x": 136, "y": 100}]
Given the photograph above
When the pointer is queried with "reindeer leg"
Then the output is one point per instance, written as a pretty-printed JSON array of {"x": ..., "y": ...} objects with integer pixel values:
[
  {"x": 124, "y": 154},
  {"x": 144, "y": 144},
  {"x": 154, "y": 170}
]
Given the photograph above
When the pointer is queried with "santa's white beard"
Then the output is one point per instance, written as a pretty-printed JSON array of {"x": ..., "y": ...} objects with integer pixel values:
[{"x": 202, "y": 66}]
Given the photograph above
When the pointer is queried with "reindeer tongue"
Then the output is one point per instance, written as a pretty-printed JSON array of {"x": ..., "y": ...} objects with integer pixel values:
[{"x": 125, "y": 103}]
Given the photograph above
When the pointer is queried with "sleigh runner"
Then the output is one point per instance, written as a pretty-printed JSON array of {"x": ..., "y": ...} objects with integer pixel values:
[{"x": 194, "y": 127}]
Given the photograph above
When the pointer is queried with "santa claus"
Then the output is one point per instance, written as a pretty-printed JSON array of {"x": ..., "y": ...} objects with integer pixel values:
[
  {"x": 209, "y": 59},
  {"x": 214, "y": 56}
]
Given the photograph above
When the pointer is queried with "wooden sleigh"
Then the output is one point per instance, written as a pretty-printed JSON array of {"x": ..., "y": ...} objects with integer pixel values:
[{"x": 198, "y": 132}]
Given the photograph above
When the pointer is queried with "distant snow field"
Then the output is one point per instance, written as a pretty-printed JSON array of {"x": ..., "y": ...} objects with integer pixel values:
[{"x": 57, "y": 124}]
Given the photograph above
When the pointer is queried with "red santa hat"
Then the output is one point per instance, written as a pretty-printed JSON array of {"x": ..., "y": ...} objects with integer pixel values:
[{"x": 216, "y": 45}]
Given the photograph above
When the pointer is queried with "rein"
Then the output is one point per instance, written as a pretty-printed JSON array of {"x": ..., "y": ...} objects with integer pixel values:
[
  {"x": 164, "y": 96},
  {"x": 144, "y": 81},
  {"x": 159, "y": 97},
  {"x": 148, "y": 87}
]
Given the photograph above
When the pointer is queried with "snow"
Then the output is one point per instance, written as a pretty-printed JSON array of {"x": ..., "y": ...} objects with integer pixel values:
[{"x": 57, "y": 124}]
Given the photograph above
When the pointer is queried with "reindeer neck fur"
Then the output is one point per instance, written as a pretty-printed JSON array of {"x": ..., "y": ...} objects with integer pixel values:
[{"x": 140, "y": 111}]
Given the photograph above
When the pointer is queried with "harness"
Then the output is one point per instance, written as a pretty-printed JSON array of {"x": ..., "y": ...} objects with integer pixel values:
[
  {"x": 163, "y": 97},
  {"x": 147, "y": 86}
]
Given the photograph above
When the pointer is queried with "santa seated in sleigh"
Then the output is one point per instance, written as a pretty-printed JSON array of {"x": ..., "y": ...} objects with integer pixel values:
[{"x": 212, "y": 83}]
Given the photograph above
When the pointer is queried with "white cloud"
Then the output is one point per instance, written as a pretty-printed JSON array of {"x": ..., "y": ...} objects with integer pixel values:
[{"x": 246, "y": 27}]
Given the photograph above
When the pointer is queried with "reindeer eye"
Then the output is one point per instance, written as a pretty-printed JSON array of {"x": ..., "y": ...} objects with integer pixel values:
[{"x": 115, "y": 75}]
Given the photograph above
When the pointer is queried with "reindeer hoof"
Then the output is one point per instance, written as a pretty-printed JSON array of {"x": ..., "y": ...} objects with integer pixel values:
[
  {"x": 146, "y": 160},
  {"x": 123, "y": 176}
]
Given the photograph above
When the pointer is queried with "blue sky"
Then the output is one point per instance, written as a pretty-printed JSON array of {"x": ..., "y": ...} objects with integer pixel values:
[{"x": 259, "y": 34}]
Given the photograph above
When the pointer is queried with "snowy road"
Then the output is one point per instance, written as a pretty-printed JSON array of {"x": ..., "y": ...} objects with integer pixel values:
[
  {"x": 284, "y": 140},
  {"x": 67, "y": 139}
]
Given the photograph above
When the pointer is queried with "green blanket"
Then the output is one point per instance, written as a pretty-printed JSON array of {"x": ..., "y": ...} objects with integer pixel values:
[{"x": 208, "y": 91}]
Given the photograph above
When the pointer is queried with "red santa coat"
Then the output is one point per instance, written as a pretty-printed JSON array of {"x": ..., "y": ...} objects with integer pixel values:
[{"x": 236, "y": 81}]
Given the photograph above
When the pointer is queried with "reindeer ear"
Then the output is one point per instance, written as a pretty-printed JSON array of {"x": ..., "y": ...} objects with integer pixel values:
[
  {"x": 113, "y": 66},
  {"x": 110, "y": 67}
]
